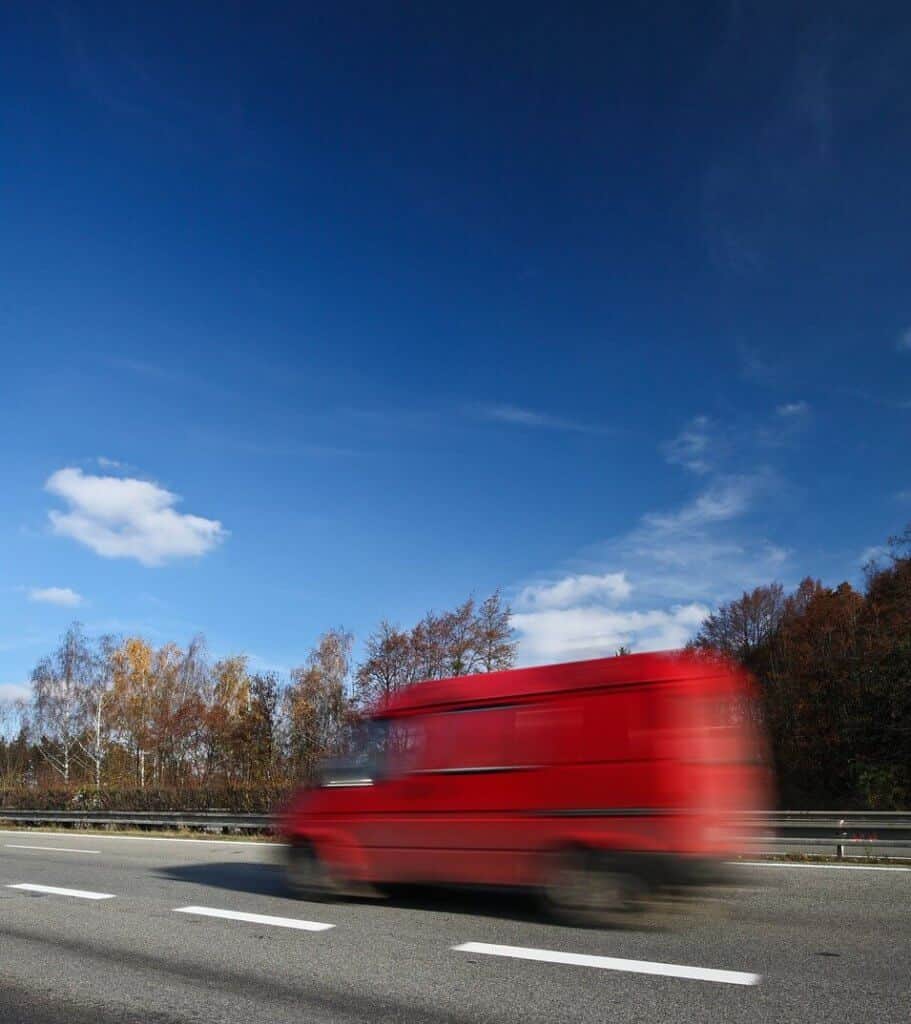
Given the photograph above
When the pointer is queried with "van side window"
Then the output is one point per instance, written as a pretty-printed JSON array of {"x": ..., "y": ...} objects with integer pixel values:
[
  {"x": 548, "y": 733},
  {"x": 405, "y": 743},
  {"x": 470, "y": 739}
]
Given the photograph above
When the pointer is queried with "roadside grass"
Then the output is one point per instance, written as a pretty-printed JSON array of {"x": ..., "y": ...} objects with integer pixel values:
[
  {"x": 116, "y": 830},
  {"x": 820, "y": 858}
]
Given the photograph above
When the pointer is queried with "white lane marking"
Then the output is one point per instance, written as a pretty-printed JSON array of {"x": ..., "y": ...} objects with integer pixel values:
[
  {"x": 53, "y": 890},
  {"x": 237, "y": 915},
  {"x": 53, "y": 849},
  {"x": 150, "y": 839},
  {"x": 612, "y": 963},
  {"x": 824, "y": 867}
]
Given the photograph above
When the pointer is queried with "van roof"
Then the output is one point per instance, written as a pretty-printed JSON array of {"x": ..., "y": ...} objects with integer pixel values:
[{"x": 493, "y": 687}]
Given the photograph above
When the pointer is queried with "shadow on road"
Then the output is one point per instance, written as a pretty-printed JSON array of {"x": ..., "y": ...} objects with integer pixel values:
[
  {"x": 258, "y": 879},
  {"x": 268, "y": 880}
]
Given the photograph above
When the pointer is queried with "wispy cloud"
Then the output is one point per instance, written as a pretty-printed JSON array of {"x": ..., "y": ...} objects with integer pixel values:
[
  {"x": 812, "y": 92},
  {"x": 759, "y": 186},
  {"x": 881, "y": 400},
  {"x": 123, "y": 517},
  {"x": 171, "y": 375},
  {"x": 693, "y": 446},
  {"x": 105, "y": 463},
  {"x": 793, "y": 410},
  {"x": 281, "y": 449},
  {"x": 522, "y": 417},
  {"x": 904, "y": 341},
  {"x": 63, "y": 596},
  {"x": 752, "y": 364},
  {"x": 725, "y": 499},
  {"x": 144, "y": 368}
]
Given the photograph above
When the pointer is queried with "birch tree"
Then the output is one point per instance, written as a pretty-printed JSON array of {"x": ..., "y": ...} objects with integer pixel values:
[
  {"x": 59, "y": 683},
  {"x": 96, "y": 695}
]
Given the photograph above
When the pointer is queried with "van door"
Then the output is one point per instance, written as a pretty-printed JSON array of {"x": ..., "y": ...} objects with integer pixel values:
[
  {"x": 472, "y": 788},
  {"x": 393, "y": 825}
]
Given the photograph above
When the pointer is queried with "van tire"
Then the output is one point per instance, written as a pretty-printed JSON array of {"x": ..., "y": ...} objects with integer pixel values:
[
  {"x": 306, "y": 873},
  {"x": 589, "y": 888}
]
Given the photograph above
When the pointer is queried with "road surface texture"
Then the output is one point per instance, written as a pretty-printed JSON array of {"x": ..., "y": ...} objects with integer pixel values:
[{"x": 107, "y": 929}]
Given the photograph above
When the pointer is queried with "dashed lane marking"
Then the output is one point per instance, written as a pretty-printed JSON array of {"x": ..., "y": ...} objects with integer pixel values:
[
  {"x": 53, "y": 890},
  {"x": 237, "y": 915},
  {"x": 612, "y": 963}
]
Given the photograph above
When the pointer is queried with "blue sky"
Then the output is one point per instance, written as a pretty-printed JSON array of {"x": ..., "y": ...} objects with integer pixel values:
[{"x": 309, "y": 318}]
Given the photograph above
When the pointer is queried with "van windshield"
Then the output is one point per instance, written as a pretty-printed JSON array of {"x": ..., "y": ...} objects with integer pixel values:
[
  {"x": 366, "y": 758},
  {"x": 379, "y": 748}
]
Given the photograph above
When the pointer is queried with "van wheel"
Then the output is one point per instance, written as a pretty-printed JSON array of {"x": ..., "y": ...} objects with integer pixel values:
[
  {"x": 306, "y": 873},
  {"x": 585, "y": 888}
]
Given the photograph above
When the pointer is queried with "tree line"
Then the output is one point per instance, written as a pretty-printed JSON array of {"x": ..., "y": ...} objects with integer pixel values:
[
  {"x": 833, "y": 666},
  {"x": 122, "y": 714}
]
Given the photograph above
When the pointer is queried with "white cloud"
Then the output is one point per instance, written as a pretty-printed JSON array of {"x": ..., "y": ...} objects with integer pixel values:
[
  {"x": 122, "y": 517},
  {"x": 561, "y": 634},
  {"x": 793, "y": 409},
  {"x": 576, "y": 589},
  {"x": 904, "y": 341},
  {"x": 665, "y": 573},
  {"x": 874, "y": 553},
  {"x": 63, "y": 596},
  {"x": 692, "y": 446},
  {"x": 14, "y": 691},
  {"x": 107, "y": 463}
]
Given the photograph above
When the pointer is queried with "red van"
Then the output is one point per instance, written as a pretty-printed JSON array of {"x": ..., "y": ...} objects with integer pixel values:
[{"x": 601, "y": 783}]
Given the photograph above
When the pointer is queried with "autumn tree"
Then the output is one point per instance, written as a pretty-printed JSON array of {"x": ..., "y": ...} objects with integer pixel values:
[
  {"x": 470, "y": 638},
  {"x": 316, "y": 703},
  {"x": 429, "y": 644},
  {"x": 493, "y": 635},
  {"x": 834, "y": 669},
  {"x": 228, "y": 716},
  {"x": 263, "y": 727},
  {"x": 740, "y": 627},
  {"x": 133, "y": 699},
  {"x": 128, "y": 712},
  {"x": 388, "y": 666}
]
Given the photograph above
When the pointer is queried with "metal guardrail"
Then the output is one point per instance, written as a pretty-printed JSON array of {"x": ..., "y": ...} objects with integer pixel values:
[
  {"x": 865, "y": 831},
  {"x": 884, "y": 834},
  {"x": 217, "y": 821},
  {"x": 874, "y": 847}
]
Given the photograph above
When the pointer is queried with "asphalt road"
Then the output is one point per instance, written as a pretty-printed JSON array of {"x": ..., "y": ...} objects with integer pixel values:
[{"x": 805, "y": 944}]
